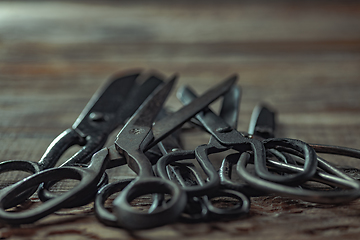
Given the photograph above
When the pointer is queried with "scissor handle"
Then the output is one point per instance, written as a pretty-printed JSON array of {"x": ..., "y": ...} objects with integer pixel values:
[
  {"x": 90, "y": 146},
  {"x": 327, "y": 197},
  {"x": 88, "y": 177},
  {"x": 206, "y": 210},
  {"x": 102, "y": 214},
  {"x": 131, "y": 218},
  {"x": 19, "y": 165},
  {"x": 240, "y": 209},
  {"x": 52, "y": 154},
  {"x": 46, "y": 195},
  {"x": 310, "y": 161},
  {"x": 172, "y": 157},
  {"x": 58, "y": 146},
  {"x": 225, "y": 173}
]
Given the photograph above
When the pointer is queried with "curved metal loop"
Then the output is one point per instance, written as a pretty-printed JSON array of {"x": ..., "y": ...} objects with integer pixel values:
[
  {"x": 197, "y": 190},
  {"x": 231, "y": 138},
  {"x": 322, "y": 163},
  {"x": 82, "y": 156},
  {"x": 225, "y": 173},
  {"x": 129, "y": 217},
  {"x": 52, "y": 154},
  {"x": 327, "y": 197},
  {"x": 45, "y": 194},
  {"x": 102, "y": 214},
  {"x": 241, "y": 208},
  {"x": 187, "y": 176},
  {"x": 195, "y": 211},
  {"x": 89, "y": 178},
  {"x": 310, "y": 160}
]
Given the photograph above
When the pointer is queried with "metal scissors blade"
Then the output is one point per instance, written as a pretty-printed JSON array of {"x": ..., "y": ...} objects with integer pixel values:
[
  {"x": 111, "y": 106},
  {"x": 106, "y": 100},
  {"x": 139, "y": 125},
  {"x": 231, "y": 106},
  {"x": 262, "y": 122},
  {"x": 83, "y": 127},
  {"x": 166, "y": 125}
]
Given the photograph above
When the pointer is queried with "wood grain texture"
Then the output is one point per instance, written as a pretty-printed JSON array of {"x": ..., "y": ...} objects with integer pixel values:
[{"x": 302, "y": 58}]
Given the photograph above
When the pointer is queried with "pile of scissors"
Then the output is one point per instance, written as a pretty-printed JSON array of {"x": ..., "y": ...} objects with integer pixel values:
[{"x": 182, "y": 184}]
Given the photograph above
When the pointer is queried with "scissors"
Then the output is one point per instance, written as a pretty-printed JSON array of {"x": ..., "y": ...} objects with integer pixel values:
[
  {"x": 90, "y": 129},
  {"x": 109, "y": 110},
  {"x": 231, "y": 138},
  {"x": 186, "y": 174},
  {"x": 201, "y": 208},
  {"x": 141, "y": 125},
  {"x": 225, "y": 137},
  {"x": 262, "y": 126},
  {"x": 138, "y": 135}
]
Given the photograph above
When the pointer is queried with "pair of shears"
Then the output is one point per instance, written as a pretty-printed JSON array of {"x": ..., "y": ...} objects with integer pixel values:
[
  {"x": 184, "y": 172},
  {"x": 343, "y": 187},
  {"x": 109, "y": 107},
  {"x": 138, "y": 135},
  {"x": 226, "y": 137}
]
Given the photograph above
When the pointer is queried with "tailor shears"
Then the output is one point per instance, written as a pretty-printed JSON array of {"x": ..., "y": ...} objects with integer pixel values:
[
  {"x": 109, "y": 107},
  {"x": 184, "y": 172},
  {"x": 225, "y": 137},
  {"x": 139, "y": 134},
  {"x": 262, "y": 126}
]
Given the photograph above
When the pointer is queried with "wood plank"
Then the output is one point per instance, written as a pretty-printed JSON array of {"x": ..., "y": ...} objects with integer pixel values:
[{"x": 161, "y": 21}]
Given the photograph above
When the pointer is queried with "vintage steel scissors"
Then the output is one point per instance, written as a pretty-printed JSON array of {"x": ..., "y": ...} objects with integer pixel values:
[
  {"x": 108, "y": 111},
  {"x": 262, "y": 126},
  {"x": 227, "y": 137},
  {"x": 184, "y": 172},
  {"x": 91, "y": 129},
  {"x": 138, "y": 135}
]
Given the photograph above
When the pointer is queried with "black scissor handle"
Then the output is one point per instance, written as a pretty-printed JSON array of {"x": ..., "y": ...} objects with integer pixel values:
[
  {"x": 131, "y": 218},
  {"x": 225, "y": 173},
  {"x": 327, "y": 197},
  {"x": 52, "y": 154},
  {"x": 101, "y": 213},
  {"x": 90, "y": 147},
  {"x": 205, "y": 210},
  {"x": 19, "y": 165},
  {"x": 197, "y": 190},
  {"x": 310, "y": 161},
  {"x": 58, "y": 146},
  {"x": 88, "y": 177},
  {"x": 240, "y": 209}
]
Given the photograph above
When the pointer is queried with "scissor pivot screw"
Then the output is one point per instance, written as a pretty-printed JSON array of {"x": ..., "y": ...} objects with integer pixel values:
[
  {"x": 97, "y": 117},
  {"x": 224, "y": 129}
]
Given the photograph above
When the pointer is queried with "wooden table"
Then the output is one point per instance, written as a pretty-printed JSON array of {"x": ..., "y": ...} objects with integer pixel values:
[{"x": 302, "y": 58}]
